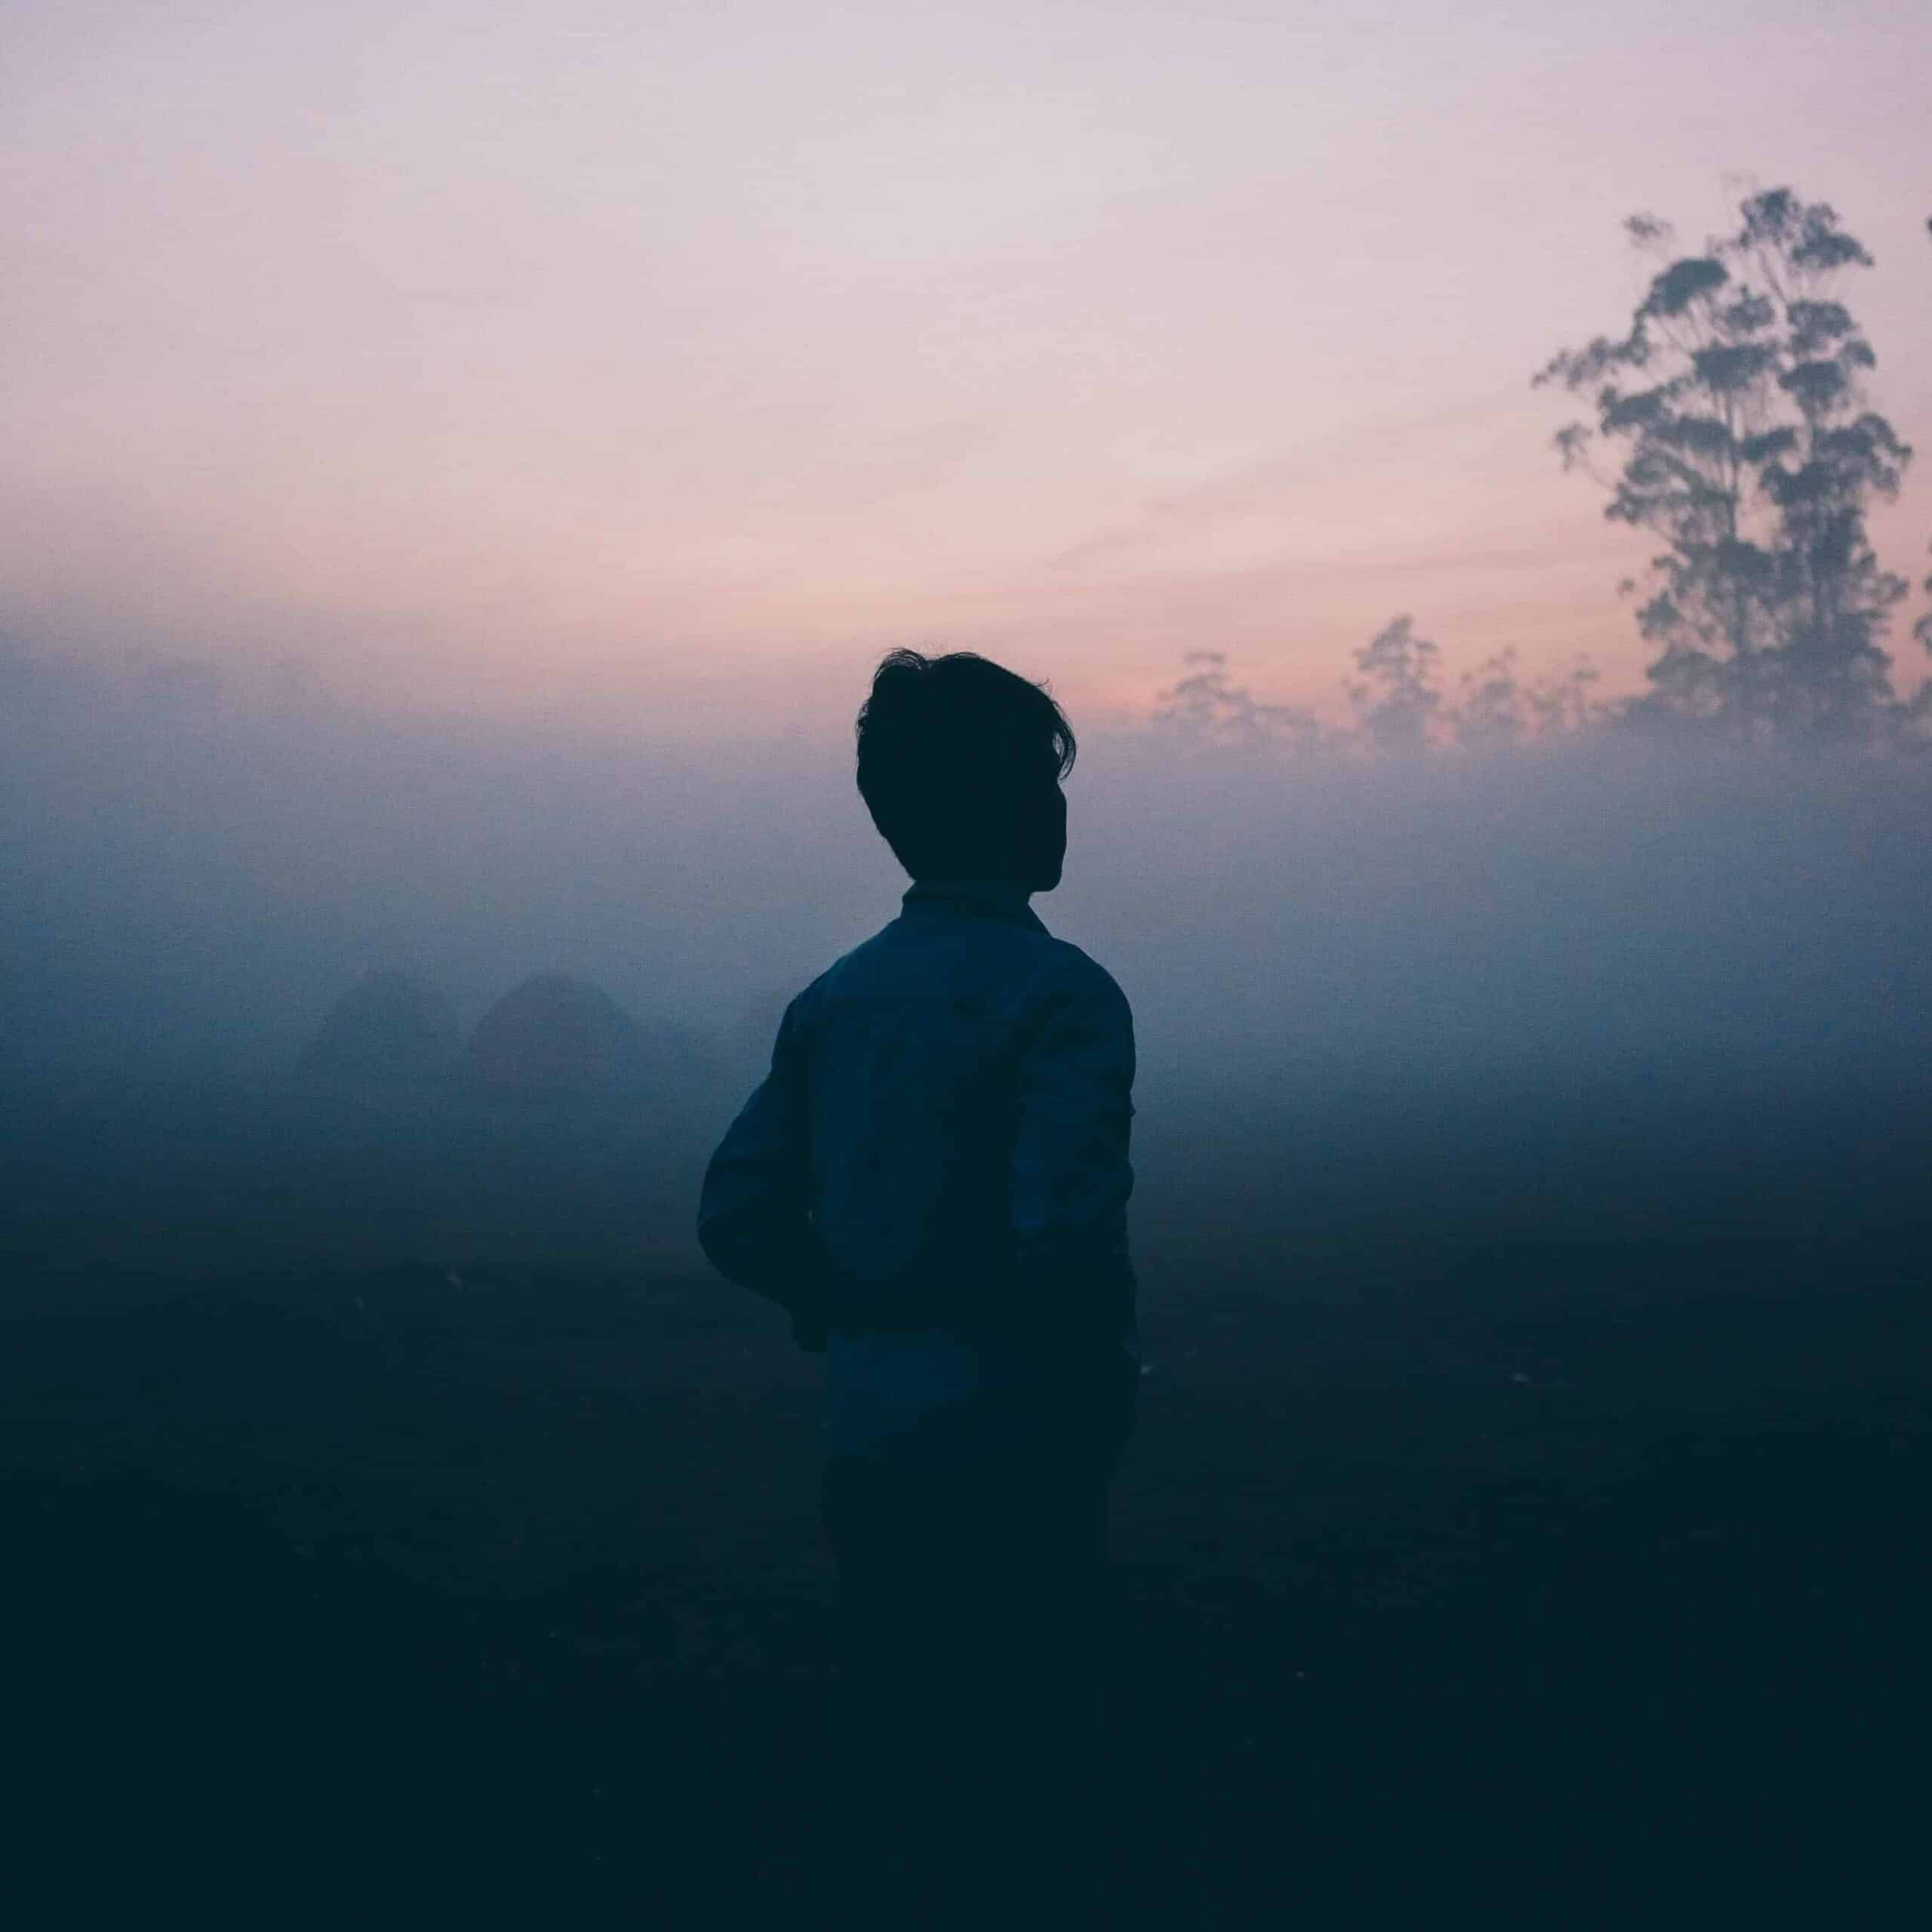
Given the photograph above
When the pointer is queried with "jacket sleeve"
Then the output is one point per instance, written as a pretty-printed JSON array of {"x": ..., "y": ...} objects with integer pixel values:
[
  {"x": 754, "y": 1217},
  {"x": 1071, "y": 1175}
]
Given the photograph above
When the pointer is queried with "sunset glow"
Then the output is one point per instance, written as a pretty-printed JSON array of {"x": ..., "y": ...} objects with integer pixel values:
[{"x": 486, "y": 357}]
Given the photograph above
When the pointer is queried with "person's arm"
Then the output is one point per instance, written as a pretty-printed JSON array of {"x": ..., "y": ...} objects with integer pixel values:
[
  {"x": 754, "y": 1217},
  {"x": 1071, "y": 1175}
]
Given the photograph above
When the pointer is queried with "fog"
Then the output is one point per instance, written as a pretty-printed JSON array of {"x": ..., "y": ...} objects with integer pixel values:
[
  {"x": 1530, "y": 1165},
  {"x": 1599, "y": 978}
]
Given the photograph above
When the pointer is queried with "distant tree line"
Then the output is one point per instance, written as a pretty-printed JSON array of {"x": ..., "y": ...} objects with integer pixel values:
[
  {"x": 1729, "y": 420},
  {"x": 1396, "y": 701}
]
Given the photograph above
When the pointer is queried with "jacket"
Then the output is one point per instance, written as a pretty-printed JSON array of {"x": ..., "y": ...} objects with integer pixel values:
[{"x": 939, "y": 1153}]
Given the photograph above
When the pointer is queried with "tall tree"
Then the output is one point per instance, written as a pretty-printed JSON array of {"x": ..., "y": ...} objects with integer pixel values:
[
  {"x": 1737, "y": 395},
  {"x": 1396, "y": 697}
]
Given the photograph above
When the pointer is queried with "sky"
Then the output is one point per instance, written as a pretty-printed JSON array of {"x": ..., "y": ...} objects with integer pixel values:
[{"x": 662, "y": 365}]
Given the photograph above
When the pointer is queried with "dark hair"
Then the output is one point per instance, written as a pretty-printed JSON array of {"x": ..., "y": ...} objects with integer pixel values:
[{"x": 955, "y": 754}]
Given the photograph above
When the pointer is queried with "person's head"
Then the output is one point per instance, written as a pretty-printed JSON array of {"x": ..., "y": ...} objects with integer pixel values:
[{"x": 960, "y": 762}]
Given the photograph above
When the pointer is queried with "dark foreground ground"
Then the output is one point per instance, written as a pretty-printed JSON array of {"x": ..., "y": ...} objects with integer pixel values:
[{"x": 389, "y": 1570}]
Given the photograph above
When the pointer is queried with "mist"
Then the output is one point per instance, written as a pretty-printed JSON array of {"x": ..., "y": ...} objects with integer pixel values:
[
  {"x": 1530, "y": 1159},
  {"x": 1624, "y": 985}
]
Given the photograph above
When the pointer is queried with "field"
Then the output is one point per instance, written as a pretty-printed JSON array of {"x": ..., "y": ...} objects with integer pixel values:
[{"x": 402, "y": 1522}]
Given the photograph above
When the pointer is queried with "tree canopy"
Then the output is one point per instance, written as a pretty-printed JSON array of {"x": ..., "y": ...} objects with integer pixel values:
[{"x": 1737, "y": 396}]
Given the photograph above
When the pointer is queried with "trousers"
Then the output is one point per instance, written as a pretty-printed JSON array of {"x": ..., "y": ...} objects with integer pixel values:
[{"x": 981, "y": 1680}]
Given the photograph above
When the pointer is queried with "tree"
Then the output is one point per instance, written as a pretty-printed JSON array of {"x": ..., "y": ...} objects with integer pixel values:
[
  {"x": 1206, "y": 707},
  {"x": 1395, "y": 698},
  {"x": 1737, "y": 394},
  {"x": 1561, "y": 705},
  {"x": 1922, "y": 630},
  {"x": 1919, "y": 708},
  {"x": 1491, "y": 711},
  {"x": 1497, "y": 708}
]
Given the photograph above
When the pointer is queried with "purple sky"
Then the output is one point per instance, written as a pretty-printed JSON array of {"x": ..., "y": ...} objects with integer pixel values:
[{"x": 608, "y": 358}]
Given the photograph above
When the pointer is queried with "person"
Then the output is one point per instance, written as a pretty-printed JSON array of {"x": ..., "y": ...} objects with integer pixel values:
[{"x": 932, "y": 1179}]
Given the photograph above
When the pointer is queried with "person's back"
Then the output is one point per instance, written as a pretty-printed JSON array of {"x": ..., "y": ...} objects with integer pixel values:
[{"x": 934, "y": 1179}]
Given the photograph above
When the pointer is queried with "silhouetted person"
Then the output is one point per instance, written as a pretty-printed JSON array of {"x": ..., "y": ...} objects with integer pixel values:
[{"x": 933, "y": 1179}]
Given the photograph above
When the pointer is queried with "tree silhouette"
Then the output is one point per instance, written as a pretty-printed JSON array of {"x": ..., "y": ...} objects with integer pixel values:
[
  {"x": 1397, "y": 703},
  {"x": 1561, "y": 704},
  {"x": 1922, "y": 630},
  {"x": 1492, "y": 711},
  {"x": 1205, "y": 708},
  {"x": 1737, "y": 394},
  {"x": 1498, "y": 708},
  {"x": 1395, "y": 698}
]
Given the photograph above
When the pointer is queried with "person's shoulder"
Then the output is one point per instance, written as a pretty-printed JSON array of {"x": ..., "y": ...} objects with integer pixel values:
[
  {"x": 816, "y": 989},
  {"x": 855, "y": 959},
  {"x": 1075, "y": 973},
  {"x": 866, "y": 951},
  {"x": 806, "y": 1000}
]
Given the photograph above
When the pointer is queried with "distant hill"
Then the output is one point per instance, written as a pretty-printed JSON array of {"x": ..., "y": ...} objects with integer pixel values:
[
  {"x": 388, "y": 1030},
  {"x": 557, "y": 1037}
]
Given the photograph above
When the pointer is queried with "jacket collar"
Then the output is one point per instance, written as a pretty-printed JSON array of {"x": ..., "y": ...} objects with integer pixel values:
[{"x": 984, "y": 899}]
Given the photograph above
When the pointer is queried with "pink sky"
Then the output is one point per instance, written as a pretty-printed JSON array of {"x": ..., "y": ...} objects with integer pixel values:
[{"x": 679, "y": 359}]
